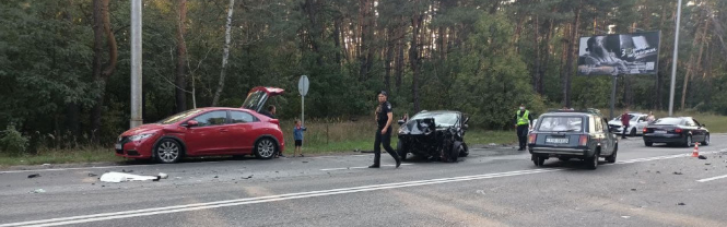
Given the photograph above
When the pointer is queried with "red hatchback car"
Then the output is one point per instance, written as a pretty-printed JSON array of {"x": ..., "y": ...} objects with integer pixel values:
[{"x": 208, "y": 131}]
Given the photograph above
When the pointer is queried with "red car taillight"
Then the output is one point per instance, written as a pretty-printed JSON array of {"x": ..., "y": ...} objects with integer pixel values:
[
  {"x": 532, "y": 138},
  {"x": 678, "y": 130},
  {"x": 646, "y": 130},
  {"x": 583, "y": 141}
]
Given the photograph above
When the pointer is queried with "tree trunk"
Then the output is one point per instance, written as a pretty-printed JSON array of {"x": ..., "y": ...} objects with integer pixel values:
[
  {"x": 337, "y": 39},
  {"x": 399, "y": 57},
  {"x": 415, "y": 59},
  {"x": 690, "y": 67},
  {"x": 568, "y": 71},
  {"x": 101, "y": 28},
  {"x": 181, "y": 77},
  {"x": 367, "y": 37},
  {"x": 389, "y": 56},
  {"x": 546, "y": 60},
  {"x": 536, "y": 70},
  {"x": 225, "y": 54}
]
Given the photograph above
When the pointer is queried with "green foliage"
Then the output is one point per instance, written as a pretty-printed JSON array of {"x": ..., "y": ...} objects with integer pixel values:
[
  {"x": 46, "y": 57},
  {"x": 12, "y": 142}
]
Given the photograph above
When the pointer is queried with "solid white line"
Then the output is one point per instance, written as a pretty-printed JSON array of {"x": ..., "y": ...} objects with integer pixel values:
[
  {"x": 290, "y": 196},
  {"x": 359, "y": 167},
  {"x": 711, "y": 179},
  {"x": 76, "y": 168}
]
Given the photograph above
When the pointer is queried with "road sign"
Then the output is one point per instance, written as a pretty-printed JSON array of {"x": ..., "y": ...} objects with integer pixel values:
[{"x": 303, "y": 85}]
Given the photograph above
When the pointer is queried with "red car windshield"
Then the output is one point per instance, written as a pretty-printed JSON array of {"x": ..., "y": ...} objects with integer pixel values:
[{"x": 178, "y": 117}]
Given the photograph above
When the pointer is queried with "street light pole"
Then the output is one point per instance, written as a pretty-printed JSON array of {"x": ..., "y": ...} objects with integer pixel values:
[
  {"x": 674, "y": 60},
  {"x": 136, "y": 108}
]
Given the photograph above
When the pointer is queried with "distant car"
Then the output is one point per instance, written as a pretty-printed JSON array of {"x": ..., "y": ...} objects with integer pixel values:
[
  {"x": 570, "y": 134},
  {"x": 433, "y": 134},
  {"x": 206, "y": 132},
  {"x": 683, "y": 131},
  {"x": 636, "y": 124}
]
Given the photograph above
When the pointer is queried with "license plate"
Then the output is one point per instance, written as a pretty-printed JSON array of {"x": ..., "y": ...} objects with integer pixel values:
[
  {"x": 659, "y": 132},
  {"x": 118, "y": 146},
  {"x": 556, "y": 140}
]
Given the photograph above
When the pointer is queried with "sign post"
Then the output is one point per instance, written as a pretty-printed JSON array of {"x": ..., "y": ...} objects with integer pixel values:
[{"x": 303, "y": 85}]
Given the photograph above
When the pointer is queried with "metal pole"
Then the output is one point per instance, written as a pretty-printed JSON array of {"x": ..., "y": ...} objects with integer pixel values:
[
  {"x": 674, "y": 61},
  {"x": 136, "y": 117},
  {"x": 302, "y": 110},
  {"x": 613, "y": 94}
]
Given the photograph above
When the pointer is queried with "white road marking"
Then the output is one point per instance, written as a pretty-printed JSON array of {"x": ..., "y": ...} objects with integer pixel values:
[
  {"x": 359, "y": 167},
  {"x": 711, "y": 179},
  {"x": 290, "y": 196},
  {"x": 77, "y": 168}
]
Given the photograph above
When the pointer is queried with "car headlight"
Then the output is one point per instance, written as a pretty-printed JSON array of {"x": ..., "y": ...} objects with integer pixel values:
[
  {"x": 403, "y": 130},
  {"x": 140, "y": 136}
]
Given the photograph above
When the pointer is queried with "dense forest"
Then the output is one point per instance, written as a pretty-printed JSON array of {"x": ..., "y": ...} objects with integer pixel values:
[{"x": 65, "y": 64}]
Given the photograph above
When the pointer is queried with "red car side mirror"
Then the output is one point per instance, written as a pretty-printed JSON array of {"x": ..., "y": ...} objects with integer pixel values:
[{"x": 192, "y": 123}]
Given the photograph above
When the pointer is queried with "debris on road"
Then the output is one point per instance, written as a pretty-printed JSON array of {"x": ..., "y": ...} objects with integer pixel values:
[
  {"x": 706, "y": 164},
  {"x": 658, "y": 172},
  {"x": 92, "y": 175},
  {"x": 216, "y": 177},
  {"x": 46, "y": 164},
  {"x": 702, "y": 157},
  {"x": 40, "y": 190},
  {"x": 633, "y": 189},
  {"x": 681, "y": 204},
  {"x": 677, "y": 173},
  {"x": 626, "y": 217},
  {"x": 248, "y": 177},
  {"x": 116, "y": 177},
  {"x": 163, "y": 175},
  {"x": 305, "y": 161},
  {"x": 127, "y": 171},
  {"x": 33, "y": 175}
]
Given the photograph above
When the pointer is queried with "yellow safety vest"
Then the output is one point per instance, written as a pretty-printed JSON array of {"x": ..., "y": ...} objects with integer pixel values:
[{"x": 523, "y": 120}]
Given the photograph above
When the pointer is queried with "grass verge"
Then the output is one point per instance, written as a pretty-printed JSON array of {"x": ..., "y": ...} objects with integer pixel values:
[
  {"x": 76, "y": 156},
  {"x": 323, "y": 136}
]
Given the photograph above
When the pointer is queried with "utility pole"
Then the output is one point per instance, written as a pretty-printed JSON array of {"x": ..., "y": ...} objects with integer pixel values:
[
  {"x": 674, "y": 60},
  {"x": 136, "y": 119}
]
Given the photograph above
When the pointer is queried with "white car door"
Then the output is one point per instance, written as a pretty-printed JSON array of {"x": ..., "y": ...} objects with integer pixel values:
[{"x": 640, "y": 124}]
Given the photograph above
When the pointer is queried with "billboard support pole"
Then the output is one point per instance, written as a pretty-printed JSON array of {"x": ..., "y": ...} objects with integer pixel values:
[
  {"x": 614, "y": 80},
  {"x": 674, "y": 60}
]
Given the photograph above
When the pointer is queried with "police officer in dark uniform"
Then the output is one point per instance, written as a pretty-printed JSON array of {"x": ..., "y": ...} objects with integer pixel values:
[{"x": 384, "y": 116}]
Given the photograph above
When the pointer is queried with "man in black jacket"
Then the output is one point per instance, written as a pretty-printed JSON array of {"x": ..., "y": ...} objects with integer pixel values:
[{"x": 384, "y": 116}]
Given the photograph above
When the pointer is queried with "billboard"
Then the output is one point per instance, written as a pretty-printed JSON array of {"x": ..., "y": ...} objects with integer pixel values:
[{"x": 624, "y": 54}]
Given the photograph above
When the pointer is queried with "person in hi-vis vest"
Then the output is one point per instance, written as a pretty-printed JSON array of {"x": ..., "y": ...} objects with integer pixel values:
[{"x": 523, "y": 120}]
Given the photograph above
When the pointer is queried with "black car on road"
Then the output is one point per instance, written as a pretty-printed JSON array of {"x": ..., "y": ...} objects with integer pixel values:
[
  {"x": 685, "y": 131},
  {"x": 433, "y": 135},
  {"x": 566, "y": 134}
]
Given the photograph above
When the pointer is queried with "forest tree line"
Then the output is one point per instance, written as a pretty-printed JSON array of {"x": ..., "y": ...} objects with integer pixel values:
[{"x": 65, "y": 65}]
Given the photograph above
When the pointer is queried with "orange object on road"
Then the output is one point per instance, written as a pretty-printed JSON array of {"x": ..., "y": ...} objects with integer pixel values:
[{"x": 695, "y": 153}]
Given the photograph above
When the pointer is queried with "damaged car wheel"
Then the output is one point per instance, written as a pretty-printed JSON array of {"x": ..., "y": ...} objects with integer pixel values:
[
  {"x": 401, "y": 150},
  {"x": 465, "y": 150}
]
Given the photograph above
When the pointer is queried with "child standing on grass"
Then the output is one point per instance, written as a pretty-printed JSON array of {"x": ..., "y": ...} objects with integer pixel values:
[{"x": 298, "y": 136}]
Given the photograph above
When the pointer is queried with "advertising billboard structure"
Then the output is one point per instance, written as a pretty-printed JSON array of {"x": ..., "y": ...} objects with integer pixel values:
[{"x": 619, "y": 54}]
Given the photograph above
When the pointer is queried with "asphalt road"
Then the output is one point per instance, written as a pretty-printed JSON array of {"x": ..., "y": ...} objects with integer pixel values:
[{"x": 496, "y": 186}]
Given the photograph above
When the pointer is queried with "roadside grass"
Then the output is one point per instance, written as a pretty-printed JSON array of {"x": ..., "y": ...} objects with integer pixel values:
[
  {"x": 65, "y": 156},
  {"x": 323, "y": 136},
  {"x": 346, "y": 135}
]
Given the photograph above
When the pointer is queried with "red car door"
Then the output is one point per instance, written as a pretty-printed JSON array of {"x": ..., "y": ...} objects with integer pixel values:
[
  {"x": 210, "y": 136},
  {"x": 242, "y": 134}
]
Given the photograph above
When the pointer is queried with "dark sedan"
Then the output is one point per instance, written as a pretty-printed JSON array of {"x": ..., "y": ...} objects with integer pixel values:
[
  {"x": 434, "y": 135},
  {"x": 685, "y": 131}
]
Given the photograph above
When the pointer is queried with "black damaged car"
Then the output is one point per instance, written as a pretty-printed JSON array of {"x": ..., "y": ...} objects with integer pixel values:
[{"x": 437, "y": 135}]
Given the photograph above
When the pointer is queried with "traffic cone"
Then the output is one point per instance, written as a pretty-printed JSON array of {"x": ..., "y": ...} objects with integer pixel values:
[{"x": 695, "y": 153}]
